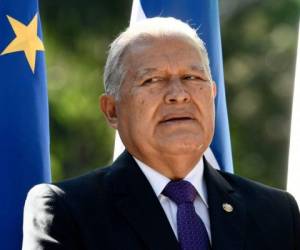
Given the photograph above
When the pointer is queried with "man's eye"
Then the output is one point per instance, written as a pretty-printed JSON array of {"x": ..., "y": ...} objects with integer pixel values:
[
  {"x": 152, "y": 80},
  {"x": 194, "y": 78},
  {"x": 190, "y": 77}
]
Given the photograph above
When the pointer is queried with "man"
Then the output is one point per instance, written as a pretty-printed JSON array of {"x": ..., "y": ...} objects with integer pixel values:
[{"x": 161, "y": 193}]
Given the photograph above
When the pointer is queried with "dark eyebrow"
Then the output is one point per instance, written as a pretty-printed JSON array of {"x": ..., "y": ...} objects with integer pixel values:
[
  {"x": 197, "y": 67},
  {"x": 145, "y": 71}
]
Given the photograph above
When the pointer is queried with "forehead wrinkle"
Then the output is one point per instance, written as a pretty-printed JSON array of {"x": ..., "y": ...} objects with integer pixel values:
[{"x": 198, "y": 66}]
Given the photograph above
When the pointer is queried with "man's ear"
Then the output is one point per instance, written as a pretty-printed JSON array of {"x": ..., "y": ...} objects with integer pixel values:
[
  {"x": 107, "y": 105},
  {"x": 214, "y": 89}
]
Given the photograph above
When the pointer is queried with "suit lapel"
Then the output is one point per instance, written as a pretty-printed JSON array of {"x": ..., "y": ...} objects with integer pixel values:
[
  {"x": 136, "y": 200},
  {"x": 227, "y": 227}
]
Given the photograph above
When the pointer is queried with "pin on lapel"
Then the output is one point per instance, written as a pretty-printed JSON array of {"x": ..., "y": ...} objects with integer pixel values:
[{"x": 227, "y": 207}]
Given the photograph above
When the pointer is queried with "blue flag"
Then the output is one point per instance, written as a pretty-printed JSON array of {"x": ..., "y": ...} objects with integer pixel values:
[
  {"x": 24, "y": 124},
  {"x": 204, "y": 16}
]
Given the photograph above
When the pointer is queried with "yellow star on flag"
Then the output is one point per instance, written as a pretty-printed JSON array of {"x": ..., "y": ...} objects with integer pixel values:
[{"x": 26, "y": 40}]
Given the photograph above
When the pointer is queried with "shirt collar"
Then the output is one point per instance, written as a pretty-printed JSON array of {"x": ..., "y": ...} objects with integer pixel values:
[{"x": 159, "y": 181}]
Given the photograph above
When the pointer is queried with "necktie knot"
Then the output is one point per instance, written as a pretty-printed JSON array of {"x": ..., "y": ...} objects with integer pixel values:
[{"x": 180, "y": 192}]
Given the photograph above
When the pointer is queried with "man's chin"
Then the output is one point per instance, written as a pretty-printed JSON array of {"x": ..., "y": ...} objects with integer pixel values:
[{"x": 182, "y": 147}]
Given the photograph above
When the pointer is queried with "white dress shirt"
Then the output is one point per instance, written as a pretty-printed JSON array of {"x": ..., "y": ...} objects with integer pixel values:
[{"x": 195, "y": 177}]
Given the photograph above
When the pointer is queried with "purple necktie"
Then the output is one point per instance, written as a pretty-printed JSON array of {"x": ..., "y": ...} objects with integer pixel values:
[{"x": 192, "y": 234}]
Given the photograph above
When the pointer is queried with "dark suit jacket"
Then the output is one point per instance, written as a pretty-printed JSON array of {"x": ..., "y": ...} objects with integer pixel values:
[{"x": 116, "y": 208}]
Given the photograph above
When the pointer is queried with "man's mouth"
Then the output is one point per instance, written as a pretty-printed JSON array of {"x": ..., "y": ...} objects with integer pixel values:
[{"x": 177, "y": 118}]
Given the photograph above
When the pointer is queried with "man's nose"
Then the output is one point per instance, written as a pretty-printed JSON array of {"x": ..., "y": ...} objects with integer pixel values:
[{"x": 176, "y": 92}]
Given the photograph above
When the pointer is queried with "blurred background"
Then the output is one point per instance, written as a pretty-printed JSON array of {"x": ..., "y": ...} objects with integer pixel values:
[{"x": 259, "y": 41}]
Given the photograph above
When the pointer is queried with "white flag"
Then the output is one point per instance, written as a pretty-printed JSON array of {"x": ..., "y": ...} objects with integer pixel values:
[{"x": 293, "y": 184}]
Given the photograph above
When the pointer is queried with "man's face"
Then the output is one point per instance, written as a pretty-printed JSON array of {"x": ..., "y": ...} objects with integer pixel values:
[{"x": 166, "y": 100}]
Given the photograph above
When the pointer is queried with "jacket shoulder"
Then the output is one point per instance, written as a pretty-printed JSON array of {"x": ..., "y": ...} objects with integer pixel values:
[
  {"x": 86, "y": 182},
  {"x": 75, "y": 193},
  {"x": 267, "y": 207},
  {"x": 256, "y": 194}
]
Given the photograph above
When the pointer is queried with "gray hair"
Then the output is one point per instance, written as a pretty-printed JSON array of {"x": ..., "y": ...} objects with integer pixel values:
[{"x": 151, "y": 27}]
